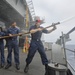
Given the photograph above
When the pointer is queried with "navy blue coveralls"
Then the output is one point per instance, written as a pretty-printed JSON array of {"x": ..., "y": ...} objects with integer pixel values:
[
  {"x": 2, "y": 48},
  {"x": 36, "y": 44},
  {"x": 12, "y": 43}
]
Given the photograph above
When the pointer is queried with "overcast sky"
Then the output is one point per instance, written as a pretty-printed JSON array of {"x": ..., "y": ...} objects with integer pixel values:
[{"x": 56, "y": 11}]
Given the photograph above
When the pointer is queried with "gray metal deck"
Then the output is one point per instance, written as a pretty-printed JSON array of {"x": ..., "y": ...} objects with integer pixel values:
[{"x": 36, "y": 67}]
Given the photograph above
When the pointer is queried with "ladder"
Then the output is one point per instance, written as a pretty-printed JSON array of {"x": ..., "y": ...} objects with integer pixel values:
[{"x": 31, "y": 8}]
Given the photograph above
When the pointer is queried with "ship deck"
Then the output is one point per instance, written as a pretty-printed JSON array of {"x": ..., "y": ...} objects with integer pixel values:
[{"x": 35, "y": 68}]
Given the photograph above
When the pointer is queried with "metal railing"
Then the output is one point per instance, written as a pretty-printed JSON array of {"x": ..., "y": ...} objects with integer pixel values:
[
  {"x": 70, "y": 65},
  {"x": 62, "y": 42},
  {"x": 73, "y": 51}
]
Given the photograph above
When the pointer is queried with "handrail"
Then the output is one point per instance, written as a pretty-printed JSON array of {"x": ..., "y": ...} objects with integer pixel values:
[
  {"x": 71, "y": 66},
  {"x": 67, "y": 61},
  {"x": 70, "y": 50}
]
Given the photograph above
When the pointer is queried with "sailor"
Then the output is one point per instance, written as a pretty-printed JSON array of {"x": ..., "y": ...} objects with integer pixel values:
[
  {"x": 2, "y": 58},
  {"x": 36, "y": 44},
  {"x": 12, "y": 44}
]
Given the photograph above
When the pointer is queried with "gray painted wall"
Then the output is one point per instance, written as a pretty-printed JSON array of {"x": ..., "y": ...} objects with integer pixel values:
[{"x": 19, "y": 6}]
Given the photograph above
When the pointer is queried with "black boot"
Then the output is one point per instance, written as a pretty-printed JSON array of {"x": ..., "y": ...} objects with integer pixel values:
[
  {"x": 7, "y": 66},
  {"x": 1, "y": 66},
  {"x": 46, "y": 69},
  {"x": 17, "y": 67},
  {"x": 26, "y": 68}
]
